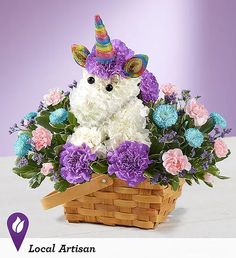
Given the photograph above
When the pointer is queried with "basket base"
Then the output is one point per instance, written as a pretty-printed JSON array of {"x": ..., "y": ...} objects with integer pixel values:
[
  {"x": 144, "y": 206},
  {"x": 77, "y": 218}
]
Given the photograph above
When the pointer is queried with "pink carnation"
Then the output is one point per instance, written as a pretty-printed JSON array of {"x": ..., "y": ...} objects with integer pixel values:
[
  {"x": 46, "y": 169},
  {"x": 197, "y": 111},
  {"x": 220, "y": 148},
  {"x": 169, "y": 89},
  {"x": 53, "y": 97},
  {"x": 41, "y": 138},
  {"x": 174, "y": 161},
  {"x": 208, "y": 178}
]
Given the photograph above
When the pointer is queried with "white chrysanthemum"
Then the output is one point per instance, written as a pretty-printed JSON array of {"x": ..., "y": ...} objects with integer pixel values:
[
  {"x": 93, "y": 137},
  {"x": 92, "y": 104},
  {"x": 128, "y": 124}
]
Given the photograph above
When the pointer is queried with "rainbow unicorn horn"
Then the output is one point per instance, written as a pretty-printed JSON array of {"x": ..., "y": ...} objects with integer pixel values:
[{"x": 104, "y": 50}]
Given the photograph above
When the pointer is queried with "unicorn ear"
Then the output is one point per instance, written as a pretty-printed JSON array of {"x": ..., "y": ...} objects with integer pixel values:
[
  {"x": 135, "y": 66},
  {"x": 80, "y": 54}
]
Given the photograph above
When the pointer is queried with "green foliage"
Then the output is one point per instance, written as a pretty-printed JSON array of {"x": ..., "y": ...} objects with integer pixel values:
[
  {"x": 100, "y": 167},
  {"x": 72, "y": 119},
  {"x": 208, "y": 126},
  {"x": 43, "y": 120},
  {"x": 27, "y": 171},
  {"x": 36, "y": 180},
  {"x": 175, "y": 185},
  {"x": 61, "y": 185}
]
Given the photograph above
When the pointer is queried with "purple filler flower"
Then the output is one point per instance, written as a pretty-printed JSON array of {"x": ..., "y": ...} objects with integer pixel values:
[
  {"x": 149, "y": 87},
  {"x": 129, "y": 161},
  {"x": 75, "y": 163}
]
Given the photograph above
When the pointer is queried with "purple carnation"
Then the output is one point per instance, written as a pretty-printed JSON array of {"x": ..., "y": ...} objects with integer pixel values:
[
  {"x": 105, "y": 71},
  {"x": 129, "y": 161},
  {"x": 75, "y": 163},
  {"x": 149, "y": 87}
]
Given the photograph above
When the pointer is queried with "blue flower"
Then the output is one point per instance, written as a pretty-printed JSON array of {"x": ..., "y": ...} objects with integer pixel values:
[
  {"x": 165, "y": 116},
  {"x": 194, "y": 137},
  {"x": 219, "y": 120},
  {"x": 30, "y": 116},
  {"x": 59, "y": 116},
  {"x": 22, "y": 145}
]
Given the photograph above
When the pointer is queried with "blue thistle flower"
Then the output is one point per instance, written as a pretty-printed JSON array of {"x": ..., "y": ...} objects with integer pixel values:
[
  {"x": 58, "y": 116},
  {"x": 165, "y": 116},
  {"x": 219, "y": 120},
  {"x": 194, "y": 137},
  {"x": 22, "y": 145}
]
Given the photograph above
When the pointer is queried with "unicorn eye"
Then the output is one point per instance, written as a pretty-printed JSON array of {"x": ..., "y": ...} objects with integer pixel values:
[
  {"x": 91, "y": 80},
  {"x": 138, "y": 84},
  {"x": 109, "y": 87}
]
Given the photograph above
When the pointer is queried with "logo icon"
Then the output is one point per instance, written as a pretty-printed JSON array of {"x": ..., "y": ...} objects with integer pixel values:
[{"x": 17, "y": 224}]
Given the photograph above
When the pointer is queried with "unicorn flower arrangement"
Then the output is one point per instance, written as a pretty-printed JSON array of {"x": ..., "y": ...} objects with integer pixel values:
[{"x": 114, "y": 122}]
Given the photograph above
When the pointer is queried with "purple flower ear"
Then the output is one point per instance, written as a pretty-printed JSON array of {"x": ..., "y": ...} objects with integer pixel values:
[
  {"x": 135, "y": 66},
  {"x": 80, "y": 54}
]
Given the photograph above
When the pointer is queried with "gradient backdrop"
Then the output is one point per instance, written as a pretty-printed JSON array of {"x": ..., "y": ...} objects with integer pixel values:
[{"x": 190, "y": 43}]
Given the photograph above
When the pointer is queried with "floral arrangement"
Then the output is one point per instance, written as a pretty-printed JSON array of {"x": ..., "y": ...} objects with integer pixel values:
[{"x": 114, "y": 122}]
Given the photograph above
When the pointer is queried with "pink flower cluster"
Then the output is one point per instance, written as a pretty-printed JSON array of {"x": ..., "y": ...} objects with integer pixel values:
[
  {"x": 46, "y": 169},
  {"x": 169, "y": 89},
  {"x": 53, "y": 97},
  {"x": 197, "y": 111},
  {"x": 174, "y": 161},
  {"x": 220, "y": 148},
  {"x": 41, "y": 138}
]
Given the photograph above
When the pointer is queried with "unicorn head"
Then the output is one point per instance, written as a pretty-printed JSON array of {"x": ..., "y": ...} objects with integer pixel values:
[{"x": 112, "y": 76}]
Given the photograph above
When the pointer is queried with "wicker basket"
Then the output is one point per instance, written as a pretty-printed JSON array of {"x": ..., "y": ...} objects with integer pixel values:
[{"x": 113, "y": 202}]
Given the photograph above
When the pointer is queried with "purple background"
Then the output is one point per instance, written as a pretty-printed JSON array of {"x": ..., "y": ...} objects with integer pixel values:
[{"x": 190, "y": 43}]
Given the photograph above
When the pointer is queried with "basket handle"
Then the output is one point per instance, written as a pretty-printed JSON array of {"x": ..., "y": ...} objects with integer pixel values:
[{"x": 56, "y": 198}]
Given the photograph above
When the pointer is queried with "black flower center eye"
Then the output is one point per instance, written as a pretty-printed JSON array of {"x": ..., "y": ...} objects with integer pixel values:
[
  {"x": 91, "y": 80},
  {"x": 109, "y": 87}
]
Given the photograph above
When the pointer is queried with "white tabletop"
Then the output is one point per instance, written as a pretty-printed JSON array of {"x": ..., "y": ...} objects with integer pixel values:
[{"x": 200, "y": 212}]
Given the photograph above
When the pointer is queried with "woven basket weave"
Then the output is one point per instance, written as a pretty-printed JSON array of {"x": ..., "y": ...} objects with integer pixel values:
[{"x": 113, "y": 202}]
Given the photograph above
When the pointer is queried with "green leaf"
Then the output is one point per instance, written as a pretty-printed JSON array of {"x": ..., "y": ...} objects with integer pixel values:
[
  {"x": 72, "y": 119},
  {"x": 222, "y": 177},
  {"x": 175, "y": 185},
  {"x": 64, "y": 137},
  {"x": 58, "y": 149},
  {"x": 36, "y": 180},
  {"x": 69, "y": 129},
  {"x": 208, "y": 126},
  {"x": 44, "y": 122},
  {"x": 58, "y": 140},
  {"x": 213, "y": 170},
  {"x": 155, "y": 156},
  {"x": 156, "y": 146},
  {"x": 61, "y": 185},
  {"x": 27, "y": 171},
  {"x": 208, "y": 184},
  {"x": 150, "y": 172},
  {"x": 196, "y": 180},
  {"x": 99, "y": 167},
  {"x": 58, "y": 126},
  {"x": 189, "y": 182}
]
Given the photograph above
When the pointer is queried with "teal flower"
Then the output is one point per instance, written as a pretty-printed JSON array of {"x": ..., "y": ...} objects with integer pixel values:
[
  {"x": 22, "y": 145},
  {"x": 219, "y": 120},
  {"x": 165, "y": 116},
  {"x": 59, "y": 116},
  {"x": 30, "y": 116},
  {"x": 194, "y": 137}
]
